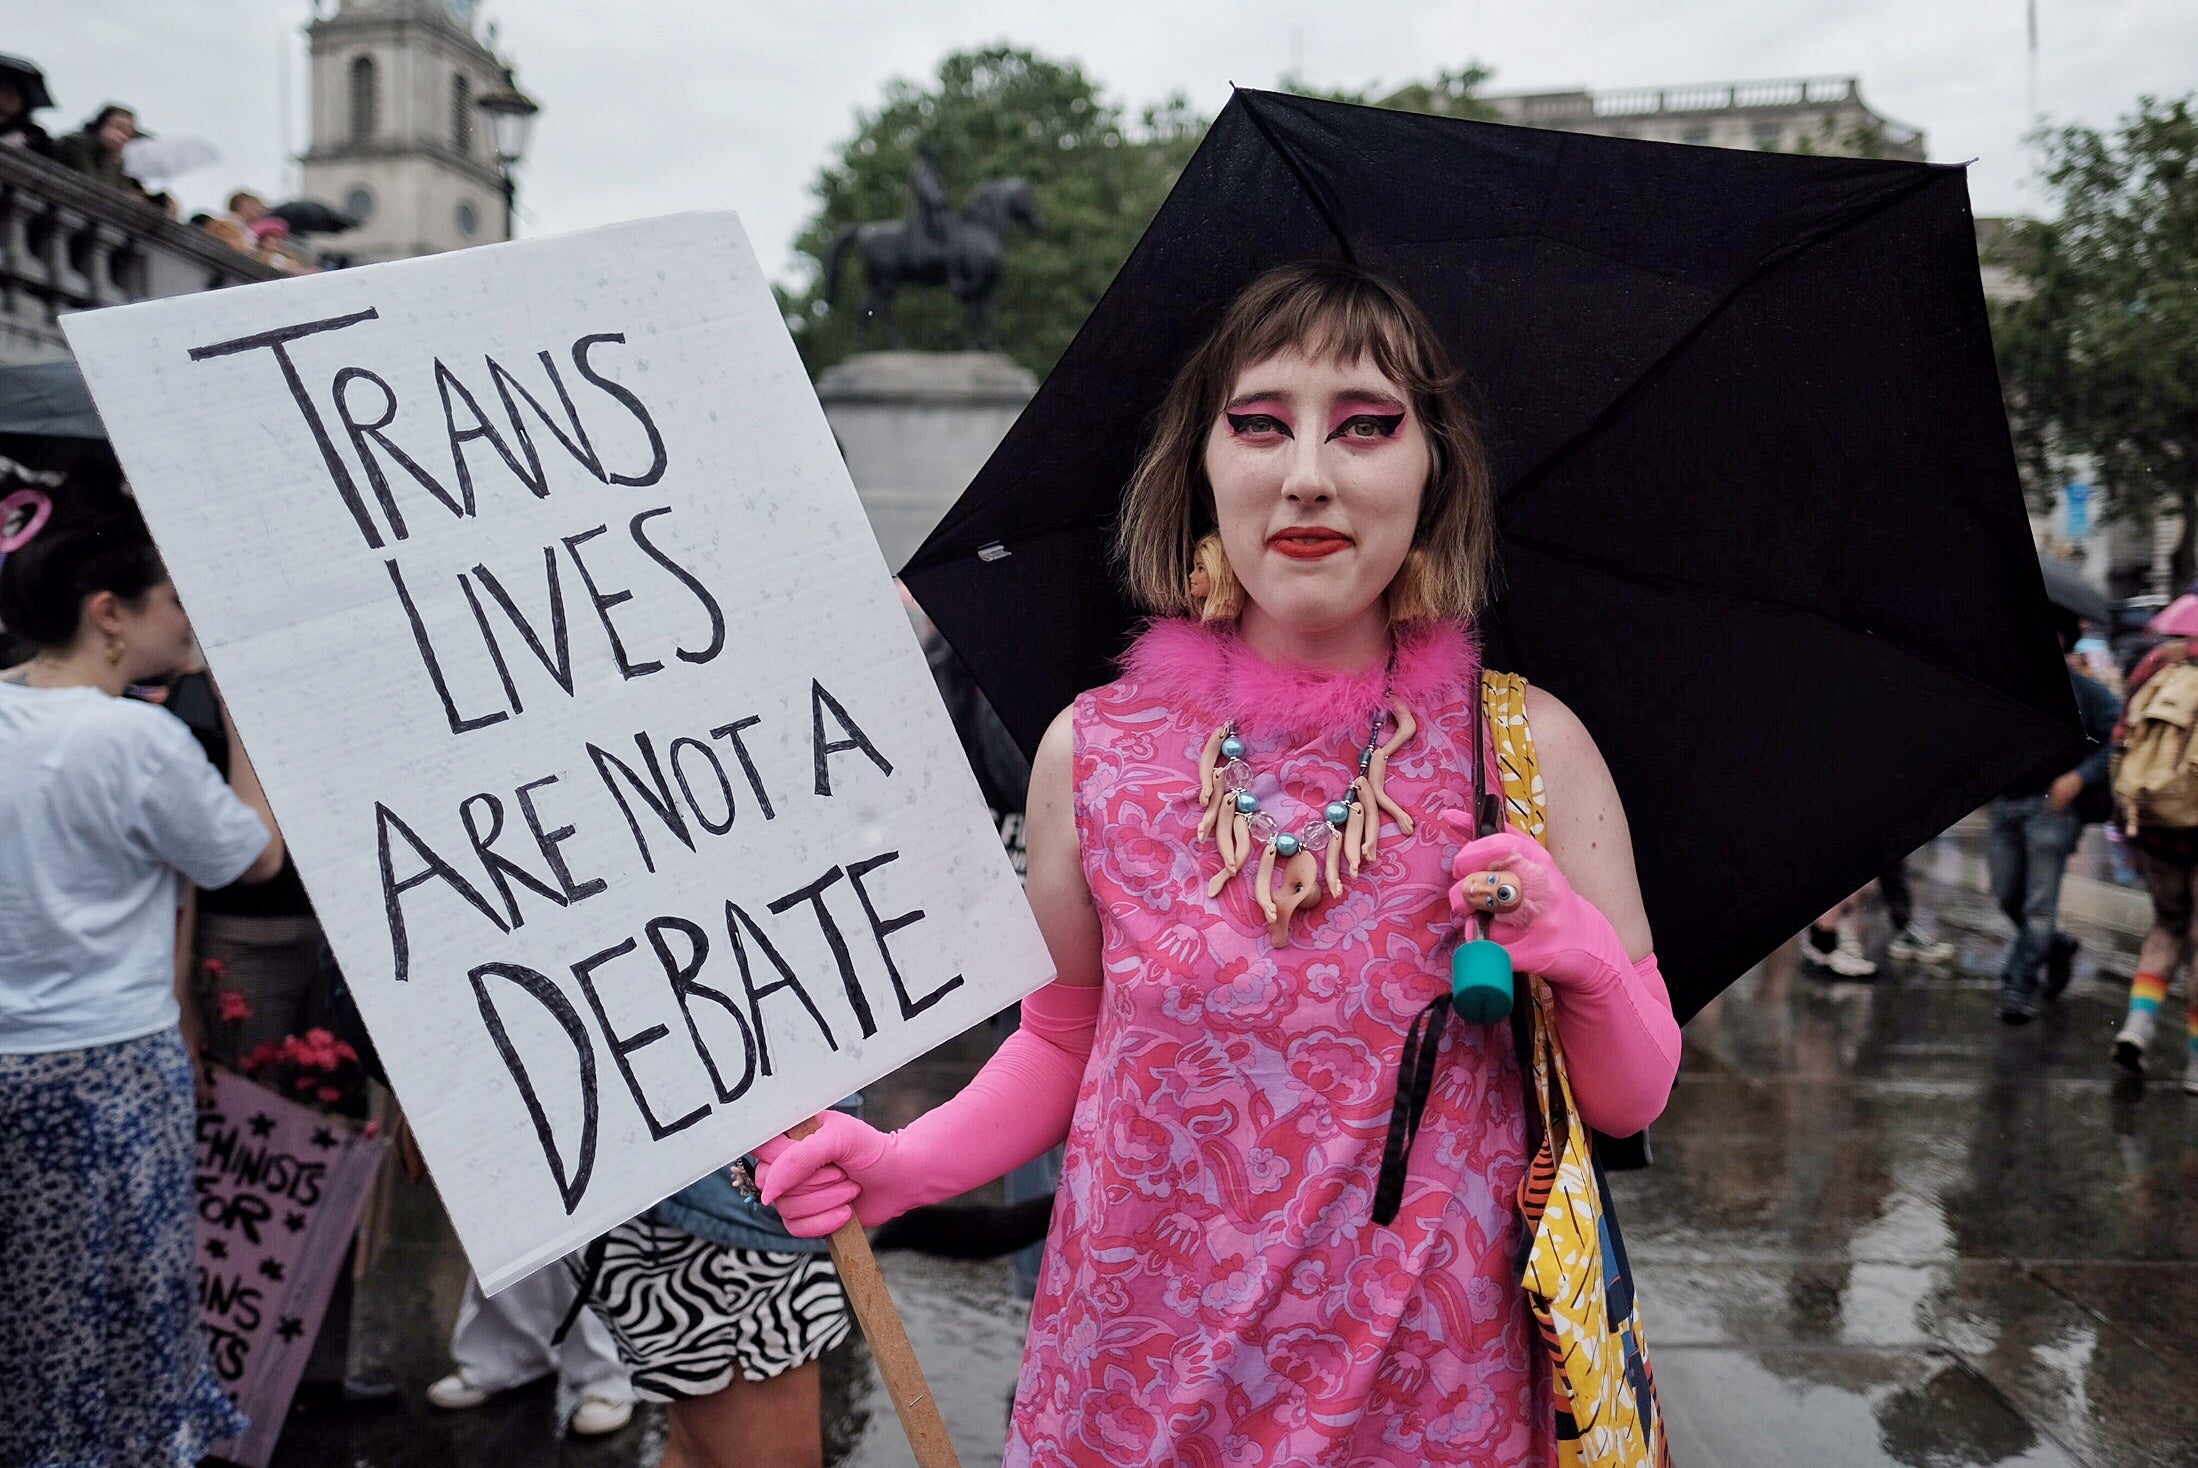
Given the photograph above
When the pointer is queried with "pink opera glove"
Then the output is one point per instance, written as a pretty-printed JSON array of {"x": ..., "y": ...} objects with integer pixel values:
[
  {"x": 1014, "y": 1109},
  {"x": 1613, "y": 1015}
]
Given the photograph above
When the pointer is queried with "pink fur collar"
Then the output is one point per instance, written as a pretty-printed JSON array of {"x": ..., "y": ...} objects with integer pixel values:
[{"x": 1209, "y": 669}]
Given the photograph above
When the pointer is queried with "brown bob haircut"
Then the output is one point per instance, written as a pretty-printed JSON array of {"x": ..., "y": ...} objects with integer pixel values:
[{"x": 1340, "y": 312}]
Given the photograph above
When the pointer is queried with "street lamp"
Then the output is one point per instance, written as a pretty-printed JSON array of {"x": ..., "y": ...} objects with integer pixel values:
[{"x": 510, "y": 122}]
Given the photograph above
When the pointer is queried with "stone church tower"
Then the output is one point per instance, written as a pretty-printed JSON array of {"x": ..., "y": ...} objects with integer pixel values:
[{"x": 397, "y": 141}]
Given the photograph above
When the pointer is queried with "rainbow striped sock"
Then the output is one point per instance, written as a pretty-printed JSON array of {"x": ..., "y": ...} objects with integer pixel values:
[{"x": 2146, "y": 992}]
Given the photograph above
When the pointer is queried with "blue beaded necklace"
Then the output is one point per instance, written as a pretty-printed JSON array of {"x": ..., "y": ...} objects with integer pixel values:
[
  {"x": 1346, "y": 829},
  {"x": 1237, "y": 776}
]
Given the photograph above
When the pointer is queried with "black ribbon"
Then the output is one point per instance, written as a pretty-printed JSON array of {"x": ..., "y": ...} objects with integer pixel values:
[
  {"x": 1416, "y": 1069},
  {"x": 1415, "y": 1078}
]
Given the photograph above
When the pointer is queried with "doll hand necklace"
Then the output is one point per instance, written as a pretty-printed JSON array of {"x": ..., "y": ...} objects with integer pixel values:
[{"x": 1348, "y": 829}]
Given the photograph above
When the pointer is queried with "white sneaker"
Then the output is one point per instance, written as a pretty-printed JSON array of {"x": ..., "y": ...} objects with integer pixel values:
[
  {"x": 2129, "y": 1045},
  {"x": 1914, "y": 947},
  {"x": 596, "y": 1416},
  {"x": 1847, "y": 959},
  {"x": 454, "y": 1393}
]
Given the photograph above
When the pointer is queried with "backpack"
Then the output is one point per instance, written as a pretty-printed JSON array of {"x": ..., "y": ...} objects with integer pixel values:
[{"x": 2156, "y": 769}]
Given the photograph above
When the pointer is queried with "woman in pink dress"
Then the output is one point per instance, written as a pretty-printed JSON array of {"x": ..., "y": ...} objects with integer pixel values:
[{"x": 1250, "y": 861}]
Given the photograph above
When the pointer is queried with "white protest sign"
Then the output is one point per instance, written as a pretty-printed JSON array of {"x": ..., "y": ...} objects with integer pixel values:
[{"x": 548, "y": 612}]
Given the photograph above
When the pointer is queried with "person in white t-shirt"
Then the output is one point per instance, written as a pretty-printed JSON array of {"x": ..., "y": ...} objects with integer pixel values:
[{"x": 108, "y": 807}]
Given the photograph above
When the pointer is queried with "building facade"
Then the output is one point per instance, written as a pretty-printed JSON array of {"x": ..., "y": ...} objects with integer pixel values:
[
  {"x": 397, "y": 141},
  {"x": 1810, "y": 115}
]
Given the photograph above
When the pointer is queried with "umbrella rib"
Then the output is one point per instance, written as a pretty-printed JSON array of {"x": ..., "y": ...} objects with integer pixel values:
[
  {"x": 1311, "y": 190},
  {"x": 1654, "y": 371},
  {"x": 1651, "y": 578}
]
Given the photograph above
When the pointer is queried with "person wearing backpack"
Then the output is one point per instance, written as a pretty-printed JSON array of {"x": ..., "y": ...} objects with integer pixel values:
[
  {"x": 2156, "y": 786},
  {"x": 2034, "y": 826}
]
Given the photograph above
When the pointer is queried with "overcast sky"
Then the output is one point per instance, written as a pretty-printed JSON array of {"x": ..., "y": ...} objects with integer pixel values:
[{"x": 658, "y": 105}]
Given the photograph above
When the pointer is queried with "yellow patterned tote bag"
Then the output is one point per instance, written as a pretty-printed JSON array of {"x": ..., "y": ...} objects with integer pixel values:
[{"x": 1576, "y": 1272}]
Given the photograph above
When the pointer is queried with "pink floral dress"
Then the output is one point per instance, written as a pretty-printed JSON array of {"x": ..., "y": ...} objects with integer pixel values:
[{"x": 1215, "y": 1292}]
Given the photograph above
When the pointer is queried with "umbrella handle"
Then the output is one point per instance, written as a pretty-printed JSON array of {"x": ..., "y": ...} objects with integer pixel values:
[
  {"x": 1481, "y": 987},
  {"x": 1481, "y": 981}
]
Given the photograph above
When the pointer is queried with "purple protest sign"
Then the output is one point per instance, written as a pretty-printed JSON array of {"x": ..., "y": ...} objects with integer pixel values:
[{"x": 280, "y": 1187}]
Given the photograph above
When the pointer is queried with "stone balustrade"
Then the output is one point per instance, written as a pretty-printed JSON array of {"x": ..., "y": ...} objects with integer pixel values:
[{"x": 69, "y": 243}]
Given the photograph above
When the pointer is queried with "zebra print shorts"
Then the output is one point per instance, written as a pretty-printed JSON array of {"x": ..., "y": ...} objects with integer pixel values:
[{"x": 689, "y": 1315}]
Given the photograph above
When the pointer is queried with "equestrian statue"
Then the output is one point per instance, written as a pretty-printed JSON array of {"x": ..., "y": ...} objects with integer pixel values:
[{"x": 931, "y": 247}]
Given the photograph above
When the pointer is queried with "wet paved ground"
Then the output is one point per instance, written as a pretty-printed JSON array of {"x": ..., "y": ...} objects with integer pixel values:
[{"x": 1882, "y": 1229}]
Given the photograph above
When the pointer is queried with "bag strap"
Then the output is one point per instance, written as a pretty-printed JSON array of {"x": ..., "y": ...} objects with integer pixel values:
[{"x": 1549, "y": 1108}]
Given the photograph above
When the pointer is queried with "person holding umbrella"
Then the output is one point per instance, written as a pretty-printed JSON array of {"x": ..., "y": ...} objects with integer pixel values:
[
  {"x": 23, "y": 92},
  {"x": 1250, "y": 859},
  {"x": 1690, "y": 422},
  {"x": 98, "y": 147}
]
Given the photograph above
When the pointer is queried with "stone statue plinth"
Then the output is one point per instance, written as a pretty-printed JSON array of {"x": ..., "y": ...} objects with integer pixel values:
[{"x": 915, "y": 428}]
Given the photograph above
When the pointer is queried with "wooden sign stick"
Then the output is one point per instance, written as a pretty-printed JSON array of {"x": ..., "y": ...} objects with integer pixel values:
[{"x": 889, "y": 1347}]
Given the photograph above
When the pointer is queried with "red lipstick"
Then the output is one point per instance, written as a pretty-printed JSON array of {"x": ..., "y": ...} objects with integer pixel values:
[{"x": 1308, "y": 542}]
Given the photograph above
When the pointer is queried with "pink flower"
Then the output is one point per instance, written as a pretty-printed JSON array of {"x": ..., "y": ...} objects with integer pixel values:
[
  {"x": 235, "y": 1008},
  {"x": 1337, "y": 1068},
  {"x": 372, "y": 1130},
  {"x": 1245, "y": 996},
  {"x": 1383, "y": 1280},
  {"x": 1139, "y": 1144},
  {"x": 1265, "y": 1168},
  {"x": 1234, "y": 1283},
  {"x": 215, "y": 969},
  {"x": 329, "y": 1095},
  {"x": 1313, "y": 1359},
  {"x": 1139, "y": 859}
]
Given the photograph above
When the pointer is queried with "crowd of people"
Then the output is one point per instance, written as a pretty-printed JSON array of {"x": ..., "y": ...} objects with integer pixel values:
[
  {"x": 156, "y": 927},
  {"x": 101, "y": 150},
  {"x": 2138, "y": 781},
  {"x": 1242, "y": 1263}
]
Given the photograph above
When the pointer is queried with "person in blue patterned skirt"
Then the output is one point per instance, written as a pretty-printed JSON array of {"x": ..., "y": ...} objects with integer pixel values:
[{"x": 108, "y": 807}]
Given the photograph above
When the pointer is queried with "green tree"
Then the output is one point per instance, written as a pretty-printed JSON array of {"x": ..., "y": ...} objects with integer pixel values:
[
  {"x": 1864, "y": 138},
  {"x": 1098, "y": 177},
  {"x": 1450, "y": 94},
  {"x": 2099, "y": 355}
]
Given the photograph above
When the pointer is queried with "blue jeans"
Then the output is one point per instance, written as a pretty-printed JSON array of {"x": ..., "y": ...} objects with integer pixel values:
[{"x": 2028, "y": 849}]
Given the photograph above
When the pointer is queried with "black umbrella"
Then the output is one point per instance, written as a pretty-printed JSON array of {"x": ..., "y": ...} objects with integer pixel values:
[
  {"x": 47, "y": 401},
  {"x": 27, "y": 79},
  {"x": 1759, "y": 520},
  {"x": 2068, "y": 590},
  {"x": 311, "y": 216},
  {"x": 49, "y": 431}
]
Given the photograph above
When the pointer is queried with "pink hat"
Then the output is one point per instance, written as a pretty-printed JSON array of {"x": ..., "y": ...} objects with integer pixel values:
[{"x": 2179, "y": 618}]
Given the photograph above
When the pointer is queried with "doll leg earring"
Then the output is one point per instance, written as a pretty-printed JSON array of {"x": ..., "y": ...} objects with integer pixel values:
[
  {"x": 1215, "y": 593},
  {"x": 115, "y": 649}
]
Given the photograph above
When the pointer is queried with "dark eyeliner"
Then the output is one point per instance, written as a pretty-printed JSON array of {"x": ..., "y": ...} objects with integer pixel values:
[
  {"x": 1387, "y": 422},
  {"x": 1238, "y": 422}
]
